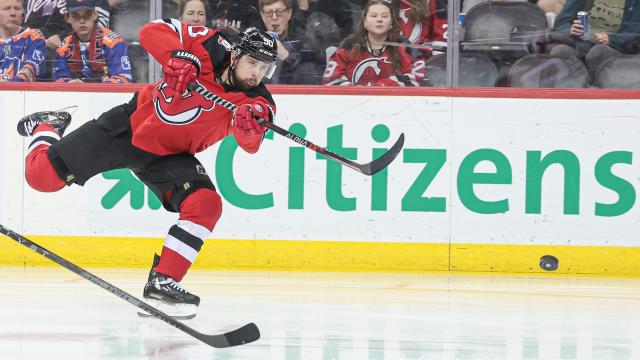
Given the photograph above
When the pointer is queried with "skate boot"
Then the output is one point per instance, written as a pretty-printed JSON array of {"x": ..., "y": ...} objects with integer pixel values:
[
  {"x": 166, "y": 295},
  {"x": 156, "y": 261},
  {"x": 58, "y": 119}
]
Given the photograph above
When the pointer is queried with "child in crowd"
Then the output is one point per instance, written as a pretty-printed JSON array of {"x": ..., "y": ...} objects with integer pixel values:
[{"x": 90, "y": 53}]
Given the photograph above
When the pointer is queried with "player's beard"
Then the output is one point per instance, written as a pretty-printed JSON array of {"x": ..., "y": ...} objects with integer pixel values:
[{"x": 246, "y": 84}]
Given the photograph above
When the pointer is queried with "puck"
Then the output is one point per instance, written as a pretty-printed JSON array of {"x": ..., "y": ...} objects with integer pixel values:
[{"x": 549, "y": 263}]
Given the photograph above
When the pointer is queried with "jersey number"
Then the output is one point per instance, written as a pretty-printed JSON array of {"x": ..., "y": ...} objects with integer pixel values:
[{"x": 195, "y": 31}]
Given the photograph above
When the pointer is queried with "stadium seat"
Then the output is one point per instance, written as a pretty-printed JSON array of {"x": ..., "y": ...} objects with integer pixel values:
[
  {"x": 548, "y": 71},
  {"x": 476, "y": 70},
  {"x": 620, "y": 72},
  {"x": 504, "y": 30}
]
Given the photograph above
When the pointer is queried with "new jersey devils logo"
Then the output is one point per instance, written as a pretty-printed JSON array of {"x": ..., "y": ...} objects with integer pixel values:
[
  {"x": 179, "y": 111},
  {"x": 367, "y": 72},
  {"x": 416, "y": 30}
]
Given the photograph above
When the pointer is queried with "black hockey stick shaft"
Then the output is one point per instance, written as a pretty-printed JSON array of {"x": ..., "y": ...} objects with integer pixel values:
[
  {"x": 242, "y": 335},
  {"x": 368, "y": 169}
]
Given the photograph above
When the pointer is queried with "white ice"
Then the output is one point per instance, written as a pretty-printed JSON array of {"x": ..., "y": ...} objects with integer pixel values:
[{"x": 51, "y": 313}]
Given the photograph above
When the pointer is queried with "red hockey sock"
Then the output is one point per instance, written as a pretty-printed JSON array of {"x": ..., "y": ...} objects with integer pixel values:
[
  {"x": 172, "y": 264},
  {"x": 39, "y": 171},
  {"x": 199, "y": 212}
]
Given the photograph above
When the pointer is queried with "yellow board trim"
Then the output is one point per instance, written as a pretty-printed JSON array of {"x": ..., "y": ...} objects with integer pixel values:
[{"x": 125, "y": 252}]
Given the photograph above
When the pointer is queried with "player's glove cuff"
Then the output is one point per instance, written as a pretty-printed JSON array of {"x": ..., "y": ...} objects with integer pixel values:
[{"x": 185, "y": 55}]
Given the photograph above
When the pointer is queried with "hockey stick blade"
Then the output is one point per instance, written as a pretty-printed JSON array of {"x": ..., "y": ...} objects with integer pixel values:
[
  {"x": 243, "y": 335},
  {"x": 368, "y": 169},
  {"x": 387, "y": 158}
]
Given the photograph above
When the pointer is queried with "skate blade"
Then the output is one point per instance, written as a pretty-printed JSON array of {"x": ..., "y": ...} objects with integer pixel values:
[
  {"x": 176, "y": 311},
  {"x": 144, "y": 315}
]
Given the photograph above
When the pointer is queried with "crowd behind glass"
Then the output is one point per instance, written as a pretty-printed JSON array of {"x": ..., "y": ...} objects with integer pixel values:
[{"x": 516, "y": 43}]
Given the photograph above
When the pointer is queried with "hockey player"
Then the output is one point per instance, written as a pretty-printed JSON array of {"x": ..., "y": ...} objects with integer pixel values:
[
  {"x": 90, "y": 53},
  {"x": 22, "y": 51},
  {"x": 364, "y": 59},
  {"x": 157, "y": 134}
]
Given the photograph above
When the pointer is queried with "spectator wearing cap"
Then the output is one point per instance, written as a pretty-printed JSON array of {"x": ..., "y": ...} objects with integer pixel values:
[
  {"x": 90, "y": 53},
  {"x": 22, "y": 50},
  {"x": 48, "y": 16}
]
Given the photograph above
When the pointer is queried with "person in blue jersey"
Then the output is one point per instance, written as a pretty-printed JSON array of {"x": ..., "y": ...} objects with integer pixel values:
[
  {"x": 90, "y": 53},
  {"x": 22, "y": 50}
]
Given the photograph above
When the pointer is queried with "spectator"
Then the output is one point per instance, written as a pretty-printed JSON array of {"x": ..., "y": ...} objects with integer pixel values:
[
  {"x": 276, "y": 19},
  {"x": 193, "y": 12},
  {"x": 90, "y": 53},
  {"x": 363, "y": 58},
  {"x": 22, "y": 50},
  {"x": 276, "y": 15},
  {"x": 413, "y": 17},
  {"x": 419, "y": 25},
  {"x": 614, "y": 30},
  {"x": 48, "y": 16}
]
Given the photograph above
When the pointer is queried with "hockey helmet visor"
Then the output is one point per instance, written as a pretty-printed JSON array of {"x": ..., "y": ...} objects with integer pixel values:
[{"x": 260, "y": 46}]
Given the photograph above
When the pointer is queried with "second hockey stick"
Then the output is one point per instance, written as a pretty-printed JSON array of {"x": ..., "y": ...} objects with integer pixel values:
[
  {"x": 368, "y": 169},
  {"x": 245, "y": 334}
]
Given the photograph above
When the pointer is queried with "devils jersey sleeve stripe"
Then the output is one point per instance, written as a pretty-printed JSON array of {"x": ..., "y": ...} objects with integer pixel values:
[
  {"x": 161, "y": 37},
  {"x": 173, "y": 24}
]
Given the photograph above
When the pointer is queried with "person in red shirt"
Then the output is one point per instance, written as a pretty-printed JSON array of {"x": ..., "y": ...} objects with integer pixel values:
[
  {"x": 157, "y": 134},
  {"x": 419, "y": 23},
  {"x": 371, "y": 55}
]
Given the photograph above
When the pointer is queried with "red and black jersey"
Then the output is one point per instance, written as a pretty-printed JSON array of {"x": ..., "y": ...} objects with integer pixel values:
[
  {"x": 430, "y": 29},
  {"x": 362, "y": 67},
  {"x": 164, "y": 125}
]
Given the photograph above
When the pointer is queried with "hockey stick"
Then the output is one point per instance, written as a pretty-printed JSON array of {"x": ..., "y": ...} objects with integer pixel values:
[
  {"x": 242, "y": 335},
  {"x": 368, "y": 169}
]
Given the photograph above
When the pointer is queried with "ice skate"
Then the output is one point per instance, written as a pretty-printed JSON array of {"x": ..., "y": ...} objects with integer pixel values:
[
  {"x": 58, "y": 119},
  {"x": 166, "y": 295}
]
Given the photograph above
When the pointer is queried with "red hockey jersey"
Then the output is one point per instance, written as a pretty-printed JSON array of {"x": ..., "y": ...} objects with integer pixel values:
[
  {"x": 165, "y": 125},
  {"x": 354, "y": 67},
  {"x": 427, "y": 31}
]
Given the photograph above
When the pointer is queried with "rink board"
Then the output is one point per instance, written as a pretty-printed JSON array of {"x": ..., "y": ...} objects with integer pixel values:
[{"x": 483, "y": 184}]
